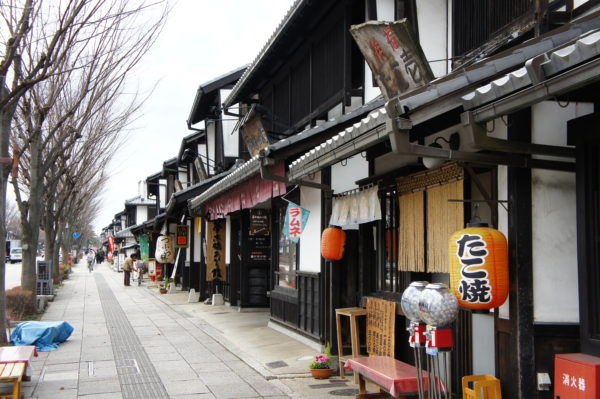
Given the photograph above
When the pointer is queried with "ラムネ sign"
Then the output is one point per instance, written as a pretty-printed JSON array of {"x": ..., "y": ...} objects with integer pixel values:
[{"x": 295, "y": 221}]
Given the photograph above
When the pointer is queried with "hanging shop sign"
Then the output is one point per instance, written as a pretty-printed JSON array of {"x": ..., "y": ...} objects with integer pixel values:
[
  {"x": 479, "y": 267},
  {"x": 333, "y": 241},
  {"x": 165, "y": 249},
  {"x": 295, "y": 221},
  {"x": 395, "y": 57},
  {"x": 254, "y": 135},
  {"x": 198, "y": 223},
  {"x": 215, "y": 251},
  {"x": 355, "y": 207},
  {"x": 111, "y": 244},
  {"x": 144, "y": 247},
  {"x": 260, "y": 222},
  {"x": 182, "y": 236}
]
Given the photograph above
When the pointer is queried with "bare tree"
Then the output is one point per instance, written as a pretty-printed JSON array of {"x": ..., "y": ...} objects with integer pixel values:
[
  {"x": 13, "y": 224},
  {"x": 75, "y": 58}
]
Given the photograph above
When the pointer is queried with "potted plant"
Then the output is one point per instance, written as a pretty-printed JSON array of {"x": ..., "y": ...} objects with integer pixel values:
[
  {"x": 320, "y": 367},
  {"x": 165, "y": 287}
]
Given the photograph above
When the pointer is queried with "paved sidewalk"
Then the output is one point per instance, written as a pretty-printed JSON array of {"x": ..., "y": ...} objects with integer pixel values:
[{"x": 131, "y": 342}]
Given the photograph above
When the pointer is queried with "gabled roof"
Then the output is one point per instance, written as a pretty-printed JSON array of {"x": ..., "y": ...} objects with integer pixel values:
[
  {"x": 206, "y": 93},
  {"x": 190, "y": 140},
  {"x": 138, "y": 200}
]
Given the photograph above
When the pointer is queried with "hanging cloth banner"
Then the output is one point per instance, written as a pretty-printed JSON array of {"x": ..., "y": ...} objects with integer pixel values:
[
  {"x": 354, "y": 209},
  {"x": 295, "y": 221}
]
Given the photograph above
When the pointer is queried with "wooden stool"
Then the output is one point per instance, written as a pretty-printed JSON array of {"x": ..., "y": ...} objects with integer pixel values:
[
  {"x": 12, "y": 373},
  {"x": 353, "y": 313}
]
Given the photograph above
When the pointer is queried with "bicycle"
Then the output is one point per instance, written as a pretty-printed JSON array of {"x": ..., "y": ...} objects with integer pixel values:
[{"x": 141, "y": 270}]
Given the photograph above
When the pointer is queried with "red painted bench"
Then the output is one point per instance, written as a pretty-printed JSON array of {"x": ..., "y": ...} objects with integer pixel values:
[{"x": 391, "y": 375}]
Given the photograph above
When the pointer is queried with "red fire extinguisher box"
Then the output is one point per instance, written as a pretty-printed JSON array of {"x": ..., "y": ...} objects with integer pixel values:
[{"x": 576, "y": 376}]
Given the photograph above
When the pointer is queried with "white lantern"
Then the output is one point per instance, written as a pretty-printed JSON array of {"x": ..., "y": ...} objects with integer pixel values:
[{"x": 165, "y": 249}]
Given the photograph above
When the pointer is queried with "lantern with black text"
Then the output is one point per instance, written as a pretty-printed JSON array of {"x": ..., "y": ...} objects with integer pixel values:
[
  {"x": 479, "y": 267},
  {"x": 333, "y": 240}
]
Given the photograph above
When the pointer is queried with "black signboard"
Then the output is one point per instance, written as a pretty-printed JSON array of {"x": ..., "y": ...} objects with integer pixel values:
[
  {"x": 260, "y": 222},
  {"x": 259, "y": 248}
]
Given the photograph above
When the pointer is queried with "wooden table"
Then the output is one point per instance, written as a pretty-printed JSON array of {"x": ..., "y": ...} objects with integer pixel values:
[
  {"x": 389, "y": 374},
  {"x": 13, "y": 363},
  {"x": 17, "y": 354},
  {"x": 353, "y": 314}
]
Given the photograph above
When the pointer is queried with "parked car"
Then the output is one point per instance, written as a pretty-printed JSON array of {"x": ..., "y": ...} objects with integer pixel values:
[{"x": 16, "y": 255}]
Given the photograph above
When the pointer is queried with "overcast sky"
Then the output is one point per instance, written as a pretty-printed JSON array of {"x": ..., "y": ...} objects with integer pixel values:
[{"x": 202, "y": 40}]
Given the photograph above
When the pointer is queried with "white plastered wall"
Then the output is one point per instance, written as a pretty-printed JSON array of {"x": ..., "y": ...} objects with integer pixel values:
[
  {"x": 141, "y": 214},
  {"x": 310, "y": 240},
  {"x": 554, "y": 223},
  {"x": 433, "y": 16},
  {"x": 211, "y": 144},
  {"x": 385, "y": 12},
  {"x": 345, "y": 174},
  {"x": 230, "y": 141}
]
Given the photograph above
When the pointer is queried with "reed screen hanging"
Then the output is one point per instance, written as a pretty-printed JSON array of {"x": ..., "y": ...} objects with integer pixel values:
[
  {"x": 411, "y": 243},
  {"x": 443, "y": 219}
]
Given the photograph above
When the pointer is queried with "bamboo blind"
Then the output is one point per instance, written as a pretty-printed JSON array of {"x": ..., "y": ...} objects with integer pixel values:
[
  {"x": 443, "y": 219},
  {"x": 411, "y": 244}
]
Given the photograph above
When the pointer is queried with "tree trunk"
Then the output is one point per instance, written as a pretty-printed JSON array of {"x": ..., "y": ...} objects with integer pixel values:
[
  {"x": 5, "y": 121},
  {"x": 51, "y": 249},
  {"x": 30, "y": 221}
]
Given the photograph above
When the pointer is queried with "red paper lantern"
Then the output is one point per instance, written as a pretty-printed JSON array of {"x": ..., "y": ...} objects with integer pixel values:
[
  {"x": 333, "y": 240},
  {"x": 479, "y": 267}
]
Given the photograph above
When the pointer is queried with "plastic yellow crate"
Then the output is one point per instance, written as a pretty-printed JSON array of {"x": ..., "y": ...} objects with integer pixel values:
[{"x": 481, "y": 387}]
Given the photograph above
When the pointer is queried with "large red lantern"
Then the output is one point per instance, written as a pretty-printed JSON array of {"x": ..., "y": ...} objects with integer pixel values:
[
  {"x": 333, "y": 240},
  {"x": 479, "y": 267}
]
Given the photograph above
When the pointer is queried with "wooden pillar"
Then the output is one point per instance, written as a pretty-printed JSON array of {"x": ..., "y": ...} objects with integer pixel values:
[{"x": 522, "y": 353}]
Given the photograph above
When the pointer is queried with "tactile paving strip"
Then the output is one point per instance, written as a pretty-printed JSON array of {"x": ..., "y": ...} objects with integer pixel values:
[{"x": 137, "y": 376}]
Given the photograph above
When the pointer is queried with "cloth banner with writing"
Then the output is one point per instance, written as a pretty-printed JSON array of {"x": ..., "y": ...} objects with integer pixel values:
[{"x": 295, "y": 221}]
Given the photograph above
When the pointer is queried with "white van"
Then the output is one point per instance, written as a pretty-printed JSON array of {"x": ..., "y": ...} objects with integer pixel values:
[{"x": 16, "y": 255}]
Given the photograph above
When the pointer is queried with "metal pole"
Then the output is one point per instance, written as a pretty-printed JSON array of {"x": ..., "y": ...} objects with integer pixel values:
[{"x": 417, "y": 353}]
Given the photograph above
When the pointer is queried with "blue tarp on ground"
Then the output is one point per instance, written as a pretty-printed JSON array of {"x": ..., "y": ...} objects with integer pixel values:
[{"x": 45, "y": 335}]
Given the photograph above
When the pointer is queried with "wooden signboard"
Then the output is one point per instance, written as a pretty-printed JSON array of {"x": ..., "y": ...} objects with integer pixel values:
[
  {"x": 394, "y": 56},
  {"x": 381, "y": 320},
  {"x": 255, "y": 135},
  {"x": 215, "y": 251}
]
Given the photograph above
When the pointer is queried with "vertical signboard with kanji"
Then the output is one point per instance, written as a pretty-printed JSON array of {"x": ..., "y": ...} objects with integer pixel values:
[
  {"x": 215, "y": 251},
  {"x": 381, "y": 321},
  {"x": 182, "y": 240},
  {"x": 395, "y": 57}
]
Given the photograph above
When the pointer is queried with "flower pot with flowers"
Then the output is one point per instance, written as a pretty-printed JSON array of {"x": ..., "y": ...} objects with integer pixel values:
[{"x": 320, "y": 367}]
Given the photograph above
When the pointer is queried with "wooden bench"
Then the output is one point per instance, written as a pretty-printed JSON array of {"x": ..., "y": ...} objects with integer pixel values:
[
  {"x": 12, "y": 373},
  {"x": 390, "y": 375}
]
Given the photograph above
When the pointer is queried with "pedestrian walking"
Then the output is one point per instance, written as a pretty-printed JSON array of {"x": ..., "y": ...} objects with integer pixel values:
[
  {"x": 91, "y": 259},
  {"x": 128, "y": 266}
]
